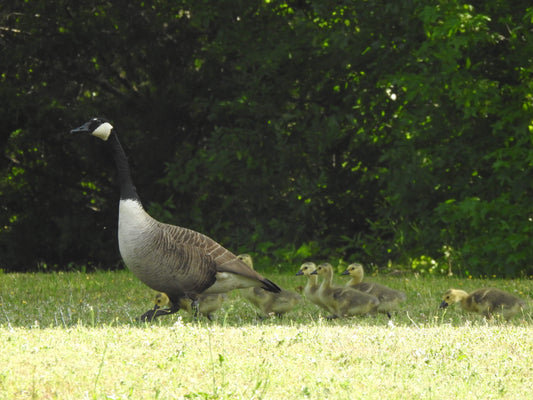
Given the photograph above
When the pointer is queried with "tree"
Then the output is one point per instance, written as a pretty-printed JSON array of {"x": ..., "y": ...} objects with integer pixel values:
[{"x": 288, "y": 129}]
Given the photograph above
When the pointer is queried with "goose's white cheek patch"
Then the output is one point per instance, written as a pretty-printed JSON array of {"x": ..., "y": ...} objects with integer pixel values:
[{"x": 103, "y": 131}]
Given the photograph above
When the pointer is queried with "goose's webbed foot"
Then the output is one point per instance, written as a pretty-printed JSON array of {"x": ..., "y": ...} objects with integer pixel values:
[{"x": 148, "y": 316}]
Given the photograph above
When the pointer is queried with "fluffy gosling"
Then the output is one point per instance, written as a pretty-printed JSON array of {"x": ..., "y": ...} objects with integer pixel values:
[
  {"x": 311, "y": 287},
  {"x": 389, "y": 299},
  {"x": 269, "y": 303},
  {"x": 208, "y": 304},
  {"x": 485, "y": 301},
  {"x": 342, "y": 301}
]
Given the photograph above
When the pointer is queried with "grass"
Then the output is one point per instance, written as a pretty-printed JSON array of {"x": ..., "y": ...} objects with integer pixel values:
[{"x": 75, "y": 336}]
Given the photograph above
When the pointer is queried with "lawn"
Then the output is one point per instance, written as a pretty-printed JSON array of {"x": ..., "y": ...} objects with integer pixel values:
[{"x": 75, "y": 336}]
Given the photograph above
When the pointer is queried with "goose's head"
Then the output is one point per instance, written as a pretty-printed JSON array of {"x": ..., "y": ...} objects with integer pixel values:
[
  {"x": 324, "y": 269},
  {"x": 98, "y": 127},
  {"x": 307, "y": 268},
  {"x": 355, "y": 270}
]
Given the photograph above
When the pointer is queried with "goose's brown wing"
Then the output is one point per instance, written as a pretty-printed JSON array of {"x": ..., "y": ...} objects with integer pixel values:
[
  {"x": 223, "y": 259},
  {"x": 236, "y": 266}
]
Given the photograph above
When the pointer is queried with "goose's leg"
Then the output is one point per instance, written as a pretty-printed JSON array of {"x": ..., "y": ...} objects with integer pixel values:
[
  {"x": 151, "y": 315},
  {"x": 195, "y": 306}
]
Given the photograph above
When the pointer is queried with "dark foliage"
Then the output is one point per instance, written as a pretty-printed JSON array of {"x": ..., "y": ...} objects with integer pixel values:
[{"x": 292, "y": 130}]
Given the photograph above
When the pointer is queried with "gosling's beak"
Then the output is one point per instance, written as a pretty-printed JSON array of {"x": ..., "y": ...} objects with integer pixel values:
[
  {"x": 314, "y": 272},
  {"x": 300, "y": 272},
  {"x": 443, "y": 304},
  {"x": 345, "y": 272},
  {"x": 81, "y": 129},
  {"x": 156, "y": 307}
]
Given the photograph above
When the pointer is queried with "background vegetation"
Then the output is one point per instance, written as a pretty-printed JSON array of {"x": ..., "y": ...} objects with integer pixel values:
[{"x": 396, "y": 131}]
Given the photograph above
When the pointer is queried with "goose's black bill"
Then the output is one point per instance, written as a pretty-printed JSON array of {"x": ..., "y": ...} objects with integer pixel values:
[{"x": 85, "y": 128}]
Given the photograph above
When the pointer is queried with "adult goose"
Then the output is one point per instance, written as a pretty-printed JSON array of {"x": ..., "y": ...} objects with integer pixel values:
[
  {"x": 485, "y": 301},
  {"x": 177, "y": 261}
]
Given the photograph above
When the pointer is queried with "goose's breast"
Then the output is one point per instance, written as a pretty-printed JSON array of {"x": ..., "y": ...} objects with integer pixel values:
[
  {"x": 137, "y": 240},
  {"x": 134, "y": 232}
]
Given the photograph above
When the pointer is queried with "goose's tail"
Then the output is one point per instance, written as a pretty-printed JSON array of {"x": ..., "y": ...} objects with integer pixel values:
[{"x": 270, "y": 286}]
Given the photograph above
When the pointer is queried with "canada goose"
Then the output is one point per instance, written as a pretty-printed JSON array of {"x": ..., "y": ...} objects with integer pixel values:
[
  {"x": 485, "y": 301},
  {"x": 177, "y": 261},
  {"x": 389, "y": 299},
  {"x": 311, "y": 288},
  {"x": 343, "y": 301},
  {"x": 208, "y": 304},
  {"x": 268, "y": 302}
]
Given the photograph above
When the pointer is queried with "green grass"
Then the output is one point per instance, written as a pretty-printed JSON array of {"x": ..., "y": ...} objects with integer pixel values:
[{"x": 75, "y": 336}]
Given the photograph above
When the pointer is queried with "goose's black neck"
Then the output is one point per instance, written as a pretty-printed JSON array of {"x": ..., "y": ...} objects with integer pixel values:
[{"x": 127, "y": 190}]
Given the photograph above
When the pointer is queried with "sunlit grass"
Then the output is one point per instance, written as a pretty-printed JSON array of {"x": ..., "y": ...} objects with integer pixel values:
[
  {"x": 118, "y": 298},
  {"x": 74, "y": 335}
]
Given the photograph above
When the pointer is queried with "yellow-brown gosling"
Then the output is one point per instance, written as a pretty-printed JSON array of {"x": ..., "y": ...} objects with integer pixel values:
[
  {"x": 269, "y": 303},
  {"x": 389, "y": 299},
  {"x": 311, "y": 288},
  {"x": 343, "y": 301},
  {"x": 485, "y": 301},
  {"x": 208, "y": 304}
]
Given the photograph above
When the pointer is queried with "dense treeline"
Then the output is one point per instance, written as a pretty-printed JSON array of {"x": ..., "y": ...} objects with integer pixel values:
[{"x": 371, "y": 131}]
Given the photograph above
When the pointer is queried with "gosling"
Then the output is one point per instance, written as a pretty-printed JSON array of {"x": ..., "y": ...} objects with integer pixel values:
[
  {"x": 311, "y": 287},
  {"x": 208, "y": 304},
  {"x": 269, "y": 303},
  {"x": 389, "y": 299},
  {"x": 342, "y": 301},
  {"x": 485, "y": 301}
]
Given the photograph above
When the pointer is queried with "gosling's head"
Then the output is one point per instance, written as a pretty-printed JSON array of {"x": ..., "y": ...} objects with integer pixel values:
[
  {"x": 161, "y": 300},
  {"x": 354, "y": 269},
  {"x": 452, "y": 296},
  {"x": 247, "y": 259},
  {"x": 324, "y": 268},
  {"x": 307, "y": 268},
  {"x": 98, "y": 127}
]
